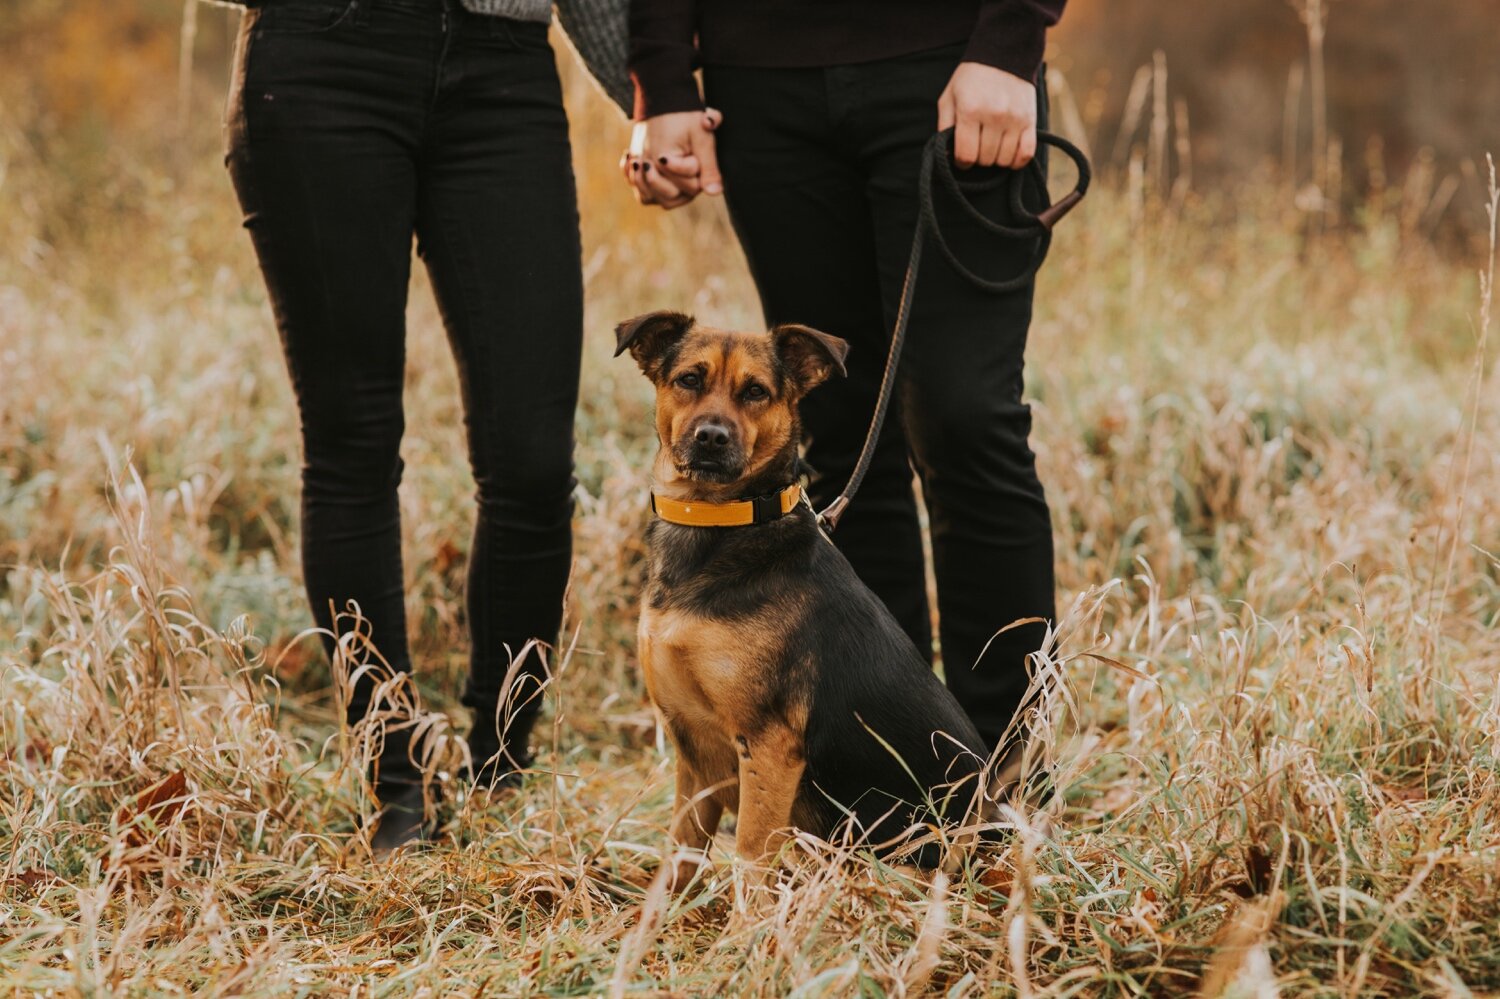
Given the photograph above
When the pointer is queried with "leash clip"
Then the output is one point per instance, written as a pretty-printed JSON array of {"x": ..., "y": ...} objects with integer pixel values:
[
  {"x": 1047, "y": 218},
  {"x": 828, "y": 520}
]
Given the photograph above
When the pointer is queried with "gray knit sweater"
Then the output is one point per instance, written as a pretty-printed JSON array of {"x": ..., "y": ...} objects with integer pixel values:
[{"x": 597, "y": 30}]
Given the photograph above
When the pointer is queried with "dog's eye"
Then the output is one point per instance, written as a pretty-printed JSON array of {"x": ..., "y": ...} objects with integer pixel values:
[
  {"x": 690, "y": 380},
  {"x": 755, "y": 392}
]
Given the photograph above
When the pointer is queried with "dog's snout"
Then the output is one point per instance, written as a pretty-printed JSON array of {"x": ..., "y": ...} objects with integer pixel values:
[
  {"x": 712, "y": 435},
  {"x": 710, "y": 448}
]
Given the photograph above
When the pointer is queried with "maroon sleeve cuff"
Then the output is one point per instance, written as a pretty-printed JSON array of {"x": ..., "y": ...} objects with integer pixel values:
[
  {"x": 663, "y": 56},
  {"x": 1012, "y": 35}
]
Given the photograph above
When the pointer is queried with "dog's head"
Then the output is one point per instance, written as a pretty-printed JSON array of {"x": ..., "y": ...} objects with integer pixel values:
[{"x": 726, "y": 403}]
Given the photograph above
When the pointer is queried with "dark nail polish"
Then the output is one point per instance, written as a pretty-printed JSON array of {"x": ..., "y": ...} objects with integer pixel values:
[
  {"x": 646, "y": 167},
  {"x": 662, "y": 160},
  {"x": 634, "y": 167}
]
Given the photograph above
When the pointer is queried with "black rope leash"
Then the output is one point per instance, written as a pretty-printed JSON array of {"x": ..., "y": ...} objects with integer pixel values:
[{"x": 937, "y": 163}]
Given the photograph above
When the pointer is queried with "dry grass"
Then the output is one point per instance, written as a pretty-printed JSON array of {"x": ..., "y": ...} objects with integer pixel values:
[{"x": 1272, "y": 464}]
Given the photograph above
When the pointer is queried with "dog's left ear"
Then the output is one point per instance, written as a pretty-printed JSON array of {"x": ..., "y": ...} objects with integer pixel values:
[
  {"x": 650, "y": 337},
  {"x": 809, "y": 356}
]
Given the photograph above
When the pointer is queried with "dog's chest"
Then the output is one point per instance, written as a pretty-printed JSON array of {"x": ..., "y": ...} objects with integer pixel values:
[{"x": 703, "y": 674}]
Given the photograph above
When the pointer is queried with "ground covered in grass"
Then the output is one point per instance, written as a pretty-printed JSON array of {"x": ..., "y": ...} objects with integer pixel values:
[{"x": 1272, "y": 463}]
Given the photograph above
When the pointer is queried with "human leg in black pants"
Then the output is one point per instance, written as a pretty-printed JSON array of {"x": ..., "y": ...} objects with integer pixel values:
[
  {"x": 799, "y": 205},
  {"x": 497, "y": 225},
  {"x": 820, "y": 172},
  {"x": 351, "y": 127}
]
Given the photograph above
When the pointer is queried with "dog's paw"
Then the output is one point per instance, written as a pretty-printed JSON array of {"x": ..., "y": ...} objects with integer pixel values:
[{"x": 684, "y": 868}]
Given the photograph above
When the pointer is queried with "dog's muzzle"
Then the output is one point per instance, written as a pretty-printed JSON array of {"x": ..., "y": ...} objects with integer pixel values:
[{"x": 710, "y": 451}]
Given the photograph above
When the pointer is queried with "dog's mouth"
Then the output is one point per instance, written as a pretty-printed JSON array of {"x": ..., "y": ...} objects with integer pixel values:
[
  {"x": 709, "y": 470},
  {"x": 707, "y": 466}
]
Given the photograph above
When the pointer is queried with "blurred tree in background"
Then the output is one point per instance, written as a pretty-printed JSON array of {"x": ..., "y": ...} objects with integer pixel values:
[{"x": 1405, "y": 81}]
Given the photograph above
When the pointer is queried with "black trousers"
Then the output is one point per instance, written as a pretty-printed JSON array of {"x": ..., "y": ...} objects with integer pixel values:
[
  {"x": 820, "y": 169},
  {"x": 352, "y": 126}
]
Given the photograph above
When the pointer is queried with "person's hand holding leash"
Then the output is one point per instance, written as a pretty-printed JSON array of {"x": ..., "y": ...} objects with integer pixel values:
[
  {"x": 672, "y": 159},
  {"x": 992, "y": 114}
]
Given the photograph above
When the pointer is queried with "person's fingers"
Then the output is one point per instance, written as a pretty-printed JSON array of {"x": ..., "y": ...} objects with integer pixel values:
[
  {"x": 990, "y": 140},
  {"x": 638, "y": 181},
  {"x": 1027, "y": 151},
  {"x": 662, "y": 188},
  {"x": 966, "y": 142},
  {"x": 712, "y": 118},
  {"x": 630, "y": 167},
  {"x": 675, "y": 201},
  {"x": 947, "y": 111},
  {"x": 709, "y": 177},
  {"x": 1008, "y": 146},
  {"x": 676, "y": 165},
  {"x": 689, "y": 187},
  {"x": 654, "y": 185}
]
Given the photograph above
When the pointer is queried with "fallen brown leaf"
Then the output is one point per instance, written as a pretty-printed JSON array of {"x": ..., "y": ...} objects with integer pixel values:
[
  {"x": 159, "y": 802},
  {"x": 29, "y": 882}
]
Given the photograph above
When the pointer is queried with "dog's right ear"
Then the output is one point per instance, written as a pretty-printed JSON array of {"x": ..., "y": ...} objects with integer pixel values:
[{"x": 650, "y": 338}]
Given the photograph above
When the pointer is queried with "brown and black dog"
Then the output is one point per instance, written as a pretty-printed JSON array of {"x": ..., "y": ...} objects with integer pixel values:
[{"x": 791, "y": 693}]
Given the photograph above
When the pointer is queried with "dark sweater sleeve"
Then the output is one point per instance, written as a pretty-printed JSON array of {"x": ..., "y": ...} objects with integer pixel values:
[
  {"x": 1012, "y": 34},
  {"x": 663, "y": 56}
]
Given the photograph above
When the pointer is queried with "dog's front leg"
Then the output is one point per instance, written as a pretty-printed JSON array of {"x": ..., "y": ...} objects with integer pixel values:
[
  {"x": 771, "y": 765},
  {"x": 694, "y": 822}
]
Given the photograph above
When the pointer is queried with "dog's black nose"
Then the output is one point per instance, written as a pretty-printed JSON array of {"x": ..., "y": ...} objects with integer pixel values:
[{"x": 712, "y": 435}]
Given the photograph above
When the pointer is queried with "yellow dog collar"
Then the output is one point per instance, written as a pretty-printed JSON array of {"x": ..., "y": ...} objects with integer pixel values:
[{"x": 740, "y": 513}]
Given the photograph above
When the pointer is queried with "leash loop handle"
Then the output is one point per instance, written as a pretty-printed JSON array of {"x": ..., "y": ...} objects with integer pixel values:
[
  {"x": 1023, "y": 224},
  {"x": 937, "y": 164}
]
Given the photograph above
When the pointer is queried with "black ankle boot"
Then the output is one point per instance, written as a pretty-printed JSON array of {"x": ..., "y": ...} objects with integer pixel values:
[
  {"x": 398, "y": 789},
  {"x": 499, "y": 763},
  {"x": 403, "y": 818}
]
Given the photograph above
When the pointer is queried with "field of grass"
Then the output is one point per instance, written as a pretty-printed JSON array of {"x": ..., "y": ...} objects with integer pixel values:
[{"x": 1273, "y": 465}]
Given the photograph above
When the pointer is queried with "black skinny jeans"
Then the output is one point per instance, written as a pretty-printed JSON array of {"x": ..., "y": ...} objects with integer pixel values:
[
  {"x": 820, "y": 172},
  {"x": 352, "y": 125}
]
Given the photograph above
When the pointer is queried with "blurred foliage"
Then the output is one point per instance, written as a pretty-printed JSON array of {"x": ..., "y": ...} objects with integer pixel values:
[
  {"x": 91, "y": 63},
  {"x": 1405, "y": 80}
]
